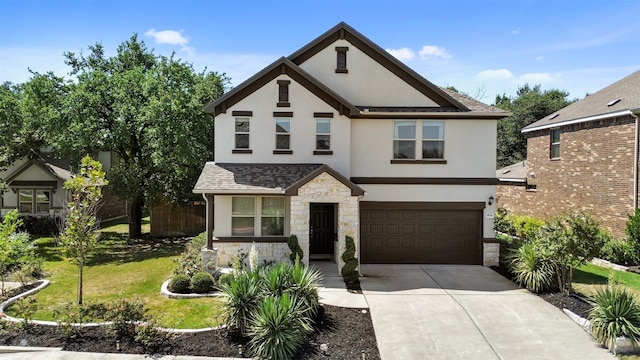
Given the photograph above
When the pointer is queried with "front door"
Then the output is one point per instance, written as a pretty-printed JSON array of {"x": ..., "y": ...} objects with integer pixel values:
[{"x": 322, "y": 229}]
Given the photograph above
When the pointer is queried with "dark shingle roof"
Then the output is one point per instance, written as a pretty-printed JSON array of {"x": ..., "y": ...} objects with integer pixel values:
[
  {"x": 472, "y": 104},
  {"x": 627, "y": 90}
]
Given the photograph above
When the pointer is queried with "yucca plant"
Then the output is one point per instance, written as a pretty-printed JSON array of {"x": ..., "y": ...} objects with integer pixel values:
[
  {"x": 530, "y": 267},
  {"x": 277, "y": 279},
  {"x": 279, "y": 327},
  {"x": 304, "y": 284},
  {"x": 616, "y": 313},
  {"x": 241, "y": 298}
]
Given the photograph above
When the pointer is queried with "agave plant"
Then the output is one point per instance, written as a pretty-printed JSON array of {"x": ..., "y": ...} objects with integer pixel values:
[
  {"x": 241, "y": 298},
  {"x": 279, "y": 327},
  {"x": 530, "y": 267},
  {"x": 616, "y": 313}
]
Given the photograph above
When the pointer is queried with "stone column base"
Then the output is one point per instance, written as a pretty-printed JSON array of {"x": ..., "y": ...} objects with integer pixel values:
[{"x": 209, "y": 257}]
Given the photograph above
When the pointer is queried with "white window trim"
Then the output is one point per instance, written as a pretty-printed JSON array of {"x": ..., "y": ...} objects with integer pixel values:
[
  {"x": 551, "y": 143},
  {"x": 282, "y": 133},
  {"x": 438, "y": 139},
  {"x": 257, "y": 217},
  {"x": 318, "y": 120},
  {"x": 34, "y": 200}
]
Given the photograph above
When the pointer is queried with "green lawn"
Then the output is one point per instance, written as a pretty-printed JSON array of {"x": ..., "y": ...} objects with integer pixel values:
[
  {"x": 589, "y": 277},
  {"x": 123, "y": 267}
]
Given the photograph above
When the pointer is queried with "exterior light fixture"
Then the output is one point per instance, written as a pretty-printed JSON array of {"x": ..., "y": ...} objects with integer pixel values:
[{"x": 491, "y": 200}]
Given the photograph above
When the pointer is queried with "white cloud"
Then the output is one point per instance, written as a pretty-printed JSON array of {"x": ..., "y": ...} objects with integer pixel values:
[
  {"x": 171, "y": 37},
  {"x": 432, "y": 52},
  {"x": 498, "y": 74},
  {"x": 403, "y": 54},
  {"x": 537, "y": 78}
]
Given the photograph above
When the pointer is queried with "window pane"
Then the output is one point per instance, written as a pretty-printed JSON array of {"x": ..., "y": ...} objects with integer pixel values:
[
  {"x": 404, "y": 130},
  {"x": 283, "y": 93},
  {"x": 42, "y": 196},
  {"x": 555, "y": 151},
  {"x": 272, "y": 226},
  {"x": 433, "y": 130},
  {"x": 282, "y": 142},
  {"x": 555, "y": 135},
  {"x": 242, "y": 125},
  {"x": 242, "y": 226},
  {"x": 323, "y": 142},
  {"x": 26, "y": 207},
  {"x": 404, "y": 149},
  {"x": 283, "y": 126},
  {"x": 273, "y": 206},
  {"x": 26, "y": 196},
  {"x": 323, "y": 127},
  {"x": 43, "y": 208},
  {"x": 433, "y": 149},
  {"x": 242, "y": 141},
  {"x": 243, "y": 206}
]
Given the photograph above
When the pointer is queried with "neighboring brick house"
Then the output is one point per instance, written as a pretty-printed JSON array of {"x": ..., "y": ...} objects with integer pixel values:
[
  {"x": 583, "y": 157},
  {"x": 342, "y": 139}
]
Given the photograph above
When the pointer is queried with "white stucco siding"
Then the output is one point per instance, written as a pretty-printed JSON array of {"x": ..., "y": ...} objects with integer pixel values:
[
  {"x": 437, "y": 193},
  {"x": 262, "y": 136},
  {"x": 366, "y": 83},
  {"x": 469, "y": 149}
]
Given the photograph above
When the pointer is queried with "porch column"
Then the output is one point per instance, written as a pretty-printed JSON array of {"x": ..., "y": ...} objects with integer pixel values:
[{"x": 209, "y": 216}]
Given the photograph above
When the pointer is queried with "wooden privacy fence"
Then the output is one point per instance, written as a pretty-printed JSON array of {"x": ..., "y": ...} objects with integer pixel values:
[{"x": 167, "y": 220}]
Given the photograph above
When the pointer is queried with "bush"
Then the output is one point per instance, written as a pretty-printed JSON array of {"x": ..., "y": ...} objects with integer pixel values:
[
  {"x": 202, "y": 283},
  {"x": 501, "y": 222},
  {"x": 190, "y": 261},
  {"x": 618, "y": 252},
  {"x": 124, "y": 315},
  {"x": 180, "y": 284},
  {"x": 531, "y": 268},
  {"x": 225, "y": 279},
  {"x": 526, "y": 227},
  {"x": 296, "y": 250},
  {"x": 241, "y": 298},
  {"x": 40, "y": 225},
  {"x": 149, "y": 335},
  {"x": 616, "y": 313},
  {"x": 349, "y": 272},
  {"x": 279, "y": 327},
  {"x": 633, "y": 234},
  {"x": 70, "y": 313}
]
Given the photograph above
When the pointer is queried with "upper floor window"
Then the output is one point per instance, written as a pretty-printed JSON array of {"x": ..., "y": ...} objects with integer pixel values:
[
  {"x": 432, "y": 139},
  {"x": 283, "y": 133},
  {"x": 243, "y": 216},
  {"x": 272, "y": 221},
  {"x": 341, "y": 59},
  {"x": 404, "y": 139},
  {"x": 555, "y": 143},
  {"x": 34, "y": 201},
  {"x": 283, "y": 93},
  {"x": 242, "y": 133},
  {"x": 323, "y": 134}
]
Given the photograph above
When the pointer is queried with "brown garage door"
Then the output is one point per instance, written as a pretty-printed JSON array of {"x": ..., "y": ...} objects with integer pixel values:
[{"x": 421, "y": 233}]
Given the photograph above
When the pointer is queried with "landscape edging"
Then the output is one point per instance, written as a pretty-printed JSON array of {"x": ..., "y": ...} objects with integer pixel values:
[
  {"x": 164, "y": 290},
  {"x": 623, "y": 345}
]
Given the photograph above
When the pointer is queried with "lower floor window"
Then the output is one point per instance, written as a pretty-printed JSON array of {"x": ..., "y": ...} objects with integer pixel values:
[
  {"x": 34, "y": 201},
  {"x": 242, "y": 216},
  {"x": 269, "y": 221},
  {"x": 272, "y": 216}
]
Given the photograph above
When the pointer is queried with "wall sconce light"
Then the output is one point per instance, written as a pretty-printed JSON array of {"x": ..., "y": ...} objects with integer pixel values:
[{"x": 491, "y": 200}]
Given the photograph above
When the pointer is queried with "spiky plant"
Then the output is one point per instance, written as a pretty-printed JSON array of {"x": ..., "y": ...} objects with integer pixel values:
[
  {"x": 279, "y": 327},
  {"x": 616, "y": 313},
  {"x": 530, "y": 267},
  {"x": 304, "y": 284},
  {"x": 241, "y": 298}
]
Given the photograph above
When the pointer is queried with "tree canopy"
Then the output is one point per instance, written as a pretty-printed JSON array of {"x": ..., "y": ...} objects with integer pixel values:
[{"x": 530, "y": 105}]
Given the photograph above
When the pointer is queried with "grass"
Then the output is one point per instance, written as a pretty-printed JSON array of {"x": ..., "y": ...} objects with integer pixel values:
[
  {"x": 589, "y": 277},
  {"x": 133, "y": 268}
]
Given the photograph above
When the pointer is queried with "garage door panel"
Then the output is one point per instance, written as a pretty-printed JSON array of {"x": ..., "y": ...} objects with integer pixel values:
[{"x": 421, "y": 236}]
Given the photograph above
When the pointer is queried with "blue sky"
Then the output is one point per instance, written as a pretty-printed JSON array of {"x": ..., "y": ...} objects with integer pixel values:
[{"x": 481, "y": 47}]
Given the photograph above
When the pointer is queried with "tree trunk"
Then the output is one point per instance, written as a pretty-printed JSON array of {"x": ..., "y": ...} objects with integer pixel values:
[
  {"x": 135, "y": 216},
  {"x": 80, "y": 268}
]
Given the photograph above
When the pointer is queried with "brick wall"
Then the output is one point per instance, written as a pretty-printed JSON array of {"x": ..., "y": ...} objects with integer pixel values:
[{"x": 594, "y": 174}]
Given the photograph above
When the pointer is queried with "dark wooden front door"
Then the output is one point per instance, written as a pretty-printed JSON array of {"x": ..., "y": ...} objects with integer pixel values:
[{"x": 321, "y": 229}]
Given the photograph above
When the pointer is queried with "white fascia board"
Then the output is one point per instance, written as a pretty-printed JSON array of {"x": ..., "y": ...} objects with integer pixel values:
[
  {"x": 512, "y": 180},
  {"x": 577, "y": 121},
  {"x": 239, "y": 191}
]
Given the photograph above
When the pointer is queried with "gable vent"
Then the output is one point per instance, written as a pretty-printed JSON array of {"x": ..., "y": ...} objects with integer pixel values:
[
  {"x": 613, "y": 102},
  {"x": 554, "y": 116}
]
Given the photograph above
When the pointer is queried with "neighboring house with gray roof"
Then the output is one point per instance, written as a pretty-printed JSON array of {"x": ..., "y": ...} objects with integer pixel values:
[
  {"x": 342, "y": 139},
  {"x": 583, "y": 157}
]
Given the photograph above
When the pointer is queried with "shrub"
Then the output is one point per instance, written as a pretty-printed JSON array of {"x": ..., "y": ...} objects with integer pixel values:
[
  {"x": 618, "y": 251},
  {"x": 349, "y": 272},
  {"x": 225, "y": 279},
  {"x": 71, "y": 313},
  {"x": 531, "y": 268},
  {"x": 190, "y": 261},
  {"x": 26, "y": 308},
  {"x": 241, "y": 298},
  {"x": 526, "y": 227},
  {"x": 202, "y": 283},
  {"x": 124, "y": 315},
  {"x": 40, "y": 225},
  {"x": 296, "y": 250},
  {"x": 180, "y": 284},
  {"x": 279, "y": 327},
  {"x": 149, "y": 335},
  {"x": 616, "y": 313},
  {"x": 501, "y": 222},
  {"x": 633, "y": 234}
]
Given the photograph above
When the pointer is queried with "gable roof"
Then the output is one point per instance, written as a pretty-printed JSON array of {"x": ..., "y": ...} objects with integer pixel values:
[
  {"x": 235, "y": 178},
  {"x": 515, "y": 172},
  {"x": 277, "y": 68},
  {"x": 449, "y": 101},
  {"x": 54, "y": 171},
  {"x": 599, "y": 105}
]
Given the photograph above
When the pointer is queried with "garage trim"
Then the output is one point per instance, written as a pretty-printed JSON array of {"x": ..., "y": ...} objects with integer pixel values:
[{"x": 480, "y": 205}]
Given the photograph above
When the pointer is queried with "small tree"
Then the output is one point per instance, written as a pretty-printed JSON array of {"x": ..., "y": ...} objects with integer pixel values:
[
  {"x": 349, "y": 272},
  {"x": 572, "y": 242},
  {"x": 8, "y": 253},
  {"x": 79, "y": 236}
]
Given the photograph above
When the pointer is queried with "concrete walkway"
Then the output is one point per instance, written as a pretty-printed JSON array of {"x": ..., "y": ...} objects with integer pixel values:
[
  {"x": 332, "y": 290},
  {"x": 466, "y": 312}
]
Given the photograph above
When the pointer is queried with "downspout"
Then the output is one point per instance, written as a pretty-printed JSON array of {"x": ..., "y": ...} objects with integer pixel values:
[{"x": 635, "y": 113}]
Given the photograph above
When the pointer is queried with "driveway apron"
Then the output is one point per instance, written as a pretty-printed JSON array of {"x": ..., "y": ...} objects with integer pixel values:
[{"x": 466, "y": 312}]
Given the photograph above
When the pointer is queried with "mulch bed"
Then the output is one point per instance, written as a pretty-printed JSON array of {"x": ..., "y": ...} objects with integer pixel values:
[{"x": 348, "y": 333}]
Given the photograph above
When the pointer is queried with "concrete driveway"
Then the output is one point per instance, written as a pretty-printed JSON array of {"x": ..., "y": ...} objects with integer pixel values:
[{"x": 466, "y": 312}]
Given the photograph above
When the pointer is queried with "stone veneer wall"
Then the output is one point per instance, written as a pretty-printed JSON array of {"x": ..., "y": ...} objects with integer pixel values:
[
  {"x": 594, "y": 173},
  {"x": 326, "y": 189},
  {"x": 490, "y": 254},
  {"x": 267, "y": 251}
]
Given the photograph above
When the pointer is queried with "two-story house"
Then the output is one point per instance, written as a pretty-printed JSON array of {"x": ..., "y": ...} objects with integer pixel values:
[{"x": 342, "y": 139}]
